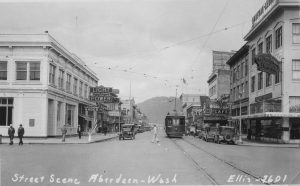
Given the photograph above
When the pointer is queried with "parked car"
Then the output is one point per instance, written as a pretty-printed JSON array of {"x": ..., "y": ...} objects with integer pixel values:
[
  {"x": 225, "y": 134},
  {"x": 127, "y": 132},
  {"x": 209, "y": 133}
]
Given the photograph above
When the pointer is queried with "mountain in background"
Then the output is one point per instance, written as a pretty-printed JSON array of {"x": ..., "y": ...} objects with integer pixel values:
[{"x": 157, "y": 108}]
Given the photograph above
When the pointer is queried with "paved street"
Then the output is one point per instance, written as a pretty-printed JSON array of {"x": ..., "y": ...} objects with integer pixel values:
[{"x": 187, "y": 161}]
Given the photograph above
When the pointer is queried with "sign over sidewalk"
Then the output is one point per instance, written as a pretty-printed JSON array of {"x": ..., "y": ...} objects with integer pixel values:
[{"x": 103, "y": 94}]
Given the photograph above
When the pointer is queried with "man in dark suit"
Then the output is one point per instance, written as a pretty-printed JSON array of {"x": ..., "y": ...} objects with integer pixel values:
[{"x": 21, "y": 132}]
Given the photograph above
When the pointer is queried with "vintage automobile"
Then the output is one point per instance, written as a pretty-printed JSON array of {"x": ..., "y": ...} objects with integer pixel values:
[
  {"x": 225, "y": 134},
  {"x": 209, "y": 133},
  {"x": 127, "y": 132}
]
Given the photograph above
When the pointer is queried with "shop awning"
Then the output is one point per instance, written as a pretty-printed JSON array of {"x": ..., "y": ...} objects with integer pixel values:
[
  {"x": 86, "y": 117},
  {"x": 268, "y": 115}
]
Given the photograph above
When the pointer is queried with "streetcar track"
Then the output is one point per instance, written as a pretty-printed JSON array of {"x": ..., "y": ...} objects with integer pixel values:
[
  {"x": 199, "y": 167},
  {"x": 226, "y": 162}
]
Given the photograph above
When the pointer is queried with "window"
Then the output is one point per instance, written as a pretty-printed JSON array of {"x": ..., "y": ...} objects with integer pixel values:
[
  {"x": 3, "y": 70},
  {"x": 80, "y": 88},
  {"x": 246, "y": 87},
  {"x": 70, "y": 115},
  {"x": 61, "y": 79},
  {"x": 242, "y": 90},
  {"x": 21, "y": 70},
  {"x": 260, "y": 48},
  {"x": 6, "y": 111},
  {"x": 296, "y": 70},
  {"x": 252, "y": 83},
  {"x": 34, "y": 70},
  {"x": 59, "y": 105},
  {"x": 253, "y": 55},
  {"x": 268, "y": 79},
  {"x": 260, "y": 80},
  {"x": 238, "y": 73},
  {"x": 234, "y": 75},
  {"x": 52, "y": 74},
  {"x": 277, "y": 77},
  {"x": 75, "y": 86},
  {"x": 242, "y": 70},
  {"x": 85, "y": 90},
  {"x": 23, "y": 67},
  {"x": 278, "y": 37},
  {"x": 246, "y": 66},
  {"x": 68, "y": 83},
  {"x": 269, "y": 44},
  {"x": 296, "y": 32}
]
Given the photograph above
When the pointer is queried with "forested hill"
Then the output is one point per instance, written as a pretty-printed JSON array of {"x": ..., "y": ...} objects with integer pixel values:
[{"x": 157, "y": 108}]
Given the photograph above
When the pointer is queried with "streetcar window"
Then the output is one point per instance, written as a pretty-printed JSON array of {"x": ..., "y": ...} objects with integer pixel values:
[{"x": 175, "y": 122}]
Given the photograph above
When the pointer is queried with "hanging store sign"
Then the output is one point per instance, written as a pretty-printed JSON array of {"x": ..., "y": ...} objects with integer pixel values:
[
  {"x": 91, "y": 108},
  {"x": 103, "y": 94},
  {"x": 267, "y": 63}
]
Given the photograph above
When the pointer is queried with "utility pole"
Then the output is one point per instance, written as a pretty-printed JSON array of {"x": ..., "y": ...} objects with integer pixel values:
[{"x": 175, "y": 100}]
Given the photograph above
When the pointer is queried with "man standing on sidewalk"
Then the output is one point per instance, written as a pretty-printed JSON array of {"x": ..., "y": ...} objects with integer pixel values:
[
  {"x": 64, "y": 132},
  {"x": 11, "y": 134},
  {"x": 21, "y": 132}
]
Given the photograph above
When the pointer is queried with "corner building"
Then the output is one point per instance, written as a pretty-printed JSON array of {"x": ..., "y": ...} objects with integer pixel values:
[
  {"x": 274, "y": 99},
  {"x": 43, "y": 86}
]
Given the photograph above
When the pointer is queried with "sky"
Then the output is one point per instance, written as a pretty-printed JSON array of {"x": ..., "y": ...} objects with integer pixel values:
[{"x": 144, "y": 48}]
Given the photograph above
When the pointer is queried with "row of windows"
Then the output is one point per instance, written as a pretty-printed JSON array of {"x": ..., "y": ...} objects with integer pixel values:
[
  {"x": 268, "y": 43},
  {"x": 239, "y": 91},
  {"x": 25, "y": 70},
  {"x": 260, "y": 78},
  {"x": 240, "y": 71},
  {"x": 83, "y": 88}
]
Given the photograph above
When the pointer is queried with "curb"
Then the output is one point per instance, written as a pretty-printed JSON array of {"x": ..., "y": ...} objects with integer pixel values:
[
  {"x": 272, "y": 146},
  {"x": 61, "y": 143}
]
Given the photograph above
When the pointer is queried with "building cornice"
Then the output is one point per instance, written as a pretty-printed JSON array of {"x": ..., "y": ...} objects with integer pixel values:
[{"x": 279, "y": 4}]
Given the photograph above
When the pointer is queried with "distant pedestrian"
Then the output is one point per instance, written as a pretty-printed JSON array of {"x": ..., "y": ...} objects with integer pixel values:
[
  {"x": 105, "y": 130},
  {"x": 155, "y": 139},
  {"x": 64, "y": 132},
  {"x": 21, "y": 132},
  {"x": 11, "y": 134},
  {"x": 79, "y": 131}
]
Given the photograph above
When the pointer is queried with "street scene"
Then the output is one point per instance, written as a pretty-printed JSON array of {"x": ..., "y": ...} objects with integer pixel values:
[
  {"x": 150, "y": 92},
  {"x": 187, "y": 161}
]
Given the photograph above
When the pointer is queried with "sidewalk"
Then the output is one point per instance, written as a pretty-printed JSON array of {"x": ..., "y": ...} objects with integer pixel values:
[
  {"x": 254, "y": 143},
  {"x": 58, "y": 140}
]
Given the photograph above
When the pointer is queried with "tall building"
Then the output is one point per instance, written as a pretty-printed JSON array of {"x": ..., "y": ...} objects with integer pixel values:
[
  {"x": 274, "y": 72},
  {"x": 43, "y": 86},
  {"x": 219, "y": 80}
]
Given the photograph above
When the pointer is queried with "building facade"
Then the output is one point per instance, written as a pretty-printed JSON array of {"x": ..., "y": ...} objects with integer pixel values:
[
  {"x": 274, "y": 81},
  {"x": 239, "y": 84},
  {"x": 43, "y": 86}
]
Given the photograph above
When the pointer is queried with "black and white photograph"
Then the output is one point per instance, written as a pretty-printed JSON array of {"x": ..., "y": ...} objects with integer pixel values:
[{"x": 149, "y": 92}]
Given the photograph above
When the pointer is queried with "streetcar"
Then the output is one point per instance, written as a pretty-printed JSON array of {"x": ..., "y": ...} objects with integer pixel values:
[{"x": 175, "y": 125}]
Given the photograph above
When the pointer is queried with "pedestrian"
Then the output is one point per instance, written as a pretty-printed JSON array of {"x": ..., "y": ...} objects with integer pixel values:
[
  {"x": 64, "y": 132},
  {"x": 79, "y": 131},
  {"x": 11, "y": 134},
  {"x": 105, "y": 130},
  {"x": 21, "y": 132},
  {"x": 155, "y": 139}
]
